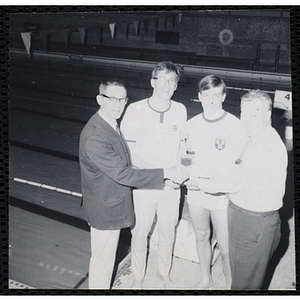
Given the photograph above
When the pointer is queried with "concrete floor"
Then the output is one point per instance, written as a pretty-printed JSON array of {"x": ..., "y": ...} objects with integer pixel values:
[
  {"x": 185, "y": 270},
  {"x": 186, "y": 274}
]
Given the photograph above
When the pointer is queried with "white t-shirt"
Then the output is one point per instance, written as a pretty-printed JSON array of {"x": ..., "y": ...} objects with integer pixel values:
[
  {"x": 217, "y": 145},
  {"x": 156, "y": 134}
]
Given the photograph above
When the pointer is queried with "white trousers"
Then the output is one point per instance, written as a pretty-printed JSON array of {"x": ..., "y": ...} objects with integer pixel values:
[
  {"x": 165, "y": 204},
  {"x": 104, "y": 245}
]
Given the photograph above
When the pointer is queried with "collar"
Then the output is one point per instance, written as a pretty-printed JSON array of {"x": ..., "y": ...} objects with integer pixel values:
[
  {"x": 159, "y": 111},
  {"x": 107, "y": 120},
  {"x": 215, "y": 120}
]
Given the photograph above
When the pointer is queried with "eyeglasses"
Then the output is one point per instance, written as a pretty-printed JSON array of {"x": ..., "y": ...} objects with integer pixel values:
[
  {"x": 115, "y": 100},
  {"x": 164, "y": 80},
  {"x": 214, "y": 96}
]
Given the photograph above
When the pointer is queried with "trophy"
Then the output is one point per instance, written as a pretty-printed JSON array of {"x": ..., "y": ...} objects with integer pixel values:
[
  {"x": 187, "y": 158},
  {"x": 188, "y": 154}
]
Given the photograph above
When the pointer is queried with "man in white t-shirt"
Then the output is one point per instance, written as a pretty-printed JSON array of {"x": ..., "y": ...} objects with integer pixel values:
[
  {"x": 151, "y": 128},
  {"x": 217, "y": 138}
]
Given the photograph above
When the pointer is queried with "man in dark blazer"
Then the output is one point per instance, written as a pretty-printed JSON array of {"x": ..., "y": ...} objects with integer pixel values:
[{"x": 106, "y": 180}]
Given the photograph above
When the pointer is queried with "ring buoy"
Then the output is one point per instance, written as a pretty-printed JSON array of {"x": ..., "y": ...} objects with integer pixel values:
[{"x": 228, "y": 40}]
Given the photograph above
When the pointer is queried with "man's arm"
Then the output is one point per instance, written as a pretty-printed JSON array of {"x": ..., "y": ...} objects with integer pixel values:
[
  {"x": 103, "y": 155},
  {"x": 229, "y": 181}
]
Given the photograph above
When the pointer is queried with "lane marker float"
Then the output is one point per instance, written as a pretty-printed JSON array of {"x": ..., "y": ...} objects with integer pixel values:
[{"x": 48, "y": 187}]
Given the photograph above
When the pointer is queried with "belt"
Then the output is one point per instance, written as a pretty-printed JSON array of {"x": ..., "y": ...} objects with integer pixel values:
[{"x": 251, "y": 212}]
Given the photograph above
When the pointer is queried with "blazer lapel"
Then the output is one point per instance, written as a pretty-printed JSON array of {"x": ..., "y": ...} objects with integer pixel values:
[
  {"x": 116, "y": 138},
  {"x": 126, "y": 148}
]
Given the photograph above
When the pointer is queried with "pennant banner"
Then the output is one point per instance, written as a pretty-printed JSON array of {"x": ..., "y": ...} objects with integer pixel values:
[
  {"x": 65, "y": 33},
  {"x": 83, "y": 31},
  {"x": 82, "y": 34},
  {"x": 112, "y": 30},
  {"x": 180, "y": 17},
  {"x": 26, "y": 37},
  {"x": 136, "y": 27}
]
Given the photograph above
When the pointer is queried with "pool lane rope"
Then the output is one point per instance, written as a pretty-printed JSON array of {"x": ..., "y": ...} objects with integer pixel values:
[{"x": 45, "y": 186}]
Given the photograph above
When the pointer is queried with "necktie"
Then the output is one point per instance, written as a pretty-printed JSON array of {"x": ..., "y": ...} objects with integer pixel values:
[
  {"x": 126, "y": 149},
  {"x": 240, "y": 159},
  {"x": 118, "y": 129}
]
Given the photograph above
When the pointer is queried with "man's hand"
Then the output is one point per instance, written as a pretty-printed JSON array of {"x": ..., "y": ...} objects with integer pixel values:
[
  {"x": 172, "y": 184},
  {"x": 176, "y": 174},
  {"x": 191, "y": 185}
]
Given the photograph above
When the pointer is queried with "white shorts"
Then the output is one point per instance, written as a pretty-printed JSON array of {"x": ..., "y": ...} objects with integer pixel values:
[{"x": 207, "y": 201}]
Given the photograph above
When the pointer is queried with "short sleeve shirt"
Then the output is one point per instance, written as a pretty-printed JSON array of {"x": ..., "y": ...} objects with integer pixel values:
[
  {"x": 217, "y": 145},
  {"x": 156, "y": 134}
]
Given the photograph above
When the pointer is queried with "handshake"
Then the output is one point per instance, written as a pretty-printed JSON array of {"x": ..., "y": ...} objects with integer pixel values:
[{"x": 176, "y": 175}]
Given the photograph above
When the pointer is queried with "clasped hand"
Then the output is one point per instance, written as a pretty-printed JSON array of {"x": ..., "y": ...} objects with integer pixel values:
[
  {"x": 176, "y": 175},
  {"x": 191, "y": 185}
]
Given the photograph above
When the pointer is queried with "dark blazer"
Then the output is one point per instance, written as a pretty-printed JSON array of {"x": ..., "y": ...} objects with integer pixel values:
[{"x": 107, "y": 176}]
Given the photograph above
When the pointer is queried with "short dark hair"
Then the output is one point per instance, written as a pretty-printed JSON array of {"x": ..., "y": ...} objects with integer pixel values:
[
  {"x": 168, "y": 66},
  {"x": 103, "y": 85},
  {"x": 258, "y": 94},
  {"x": 210, "y": 82}
]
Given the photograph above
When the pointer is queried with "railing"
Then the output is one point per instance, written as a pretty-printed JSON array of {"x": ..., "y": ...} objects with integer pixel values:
[{"x": 248, "y": 76}]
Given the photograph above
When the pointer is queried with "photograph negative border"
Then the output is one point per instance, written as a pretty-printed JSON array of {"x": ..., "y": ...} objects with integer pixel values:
[{"x": 6, "y": 12}]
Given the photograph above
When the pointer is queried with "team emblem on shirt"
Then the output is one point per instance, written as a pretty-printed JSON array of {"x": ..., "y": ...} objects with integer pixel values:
[
  {"x": 175, "y": 127},
  {"x": 220, "y": 144}
]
